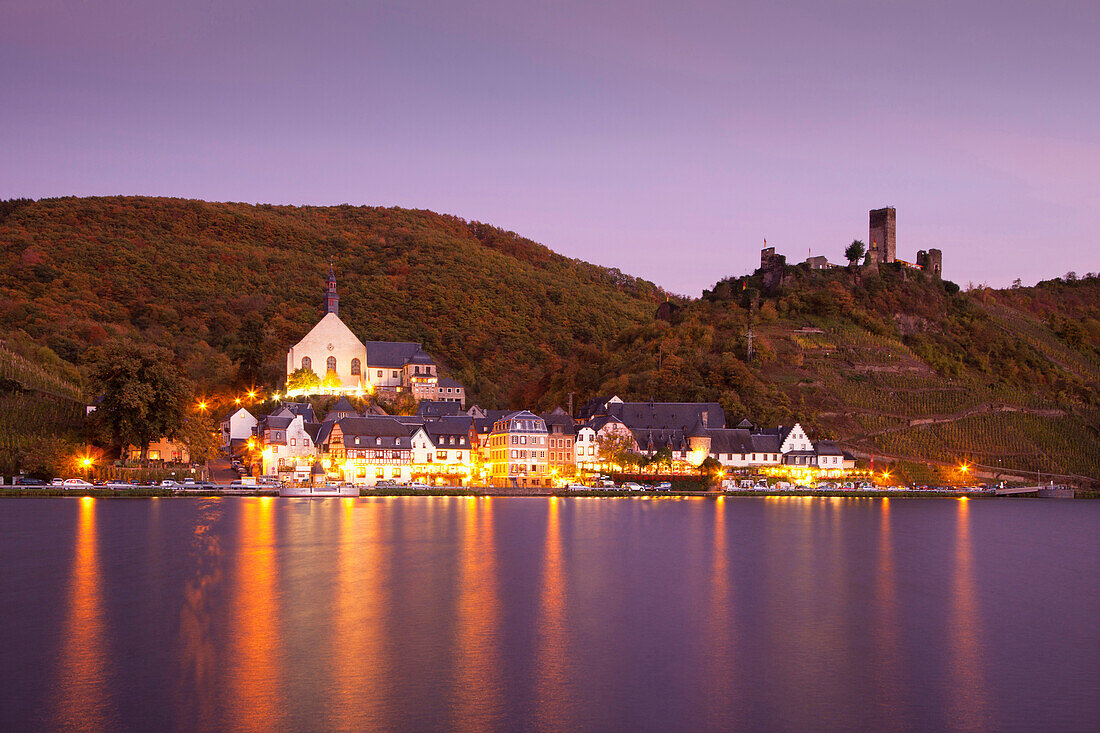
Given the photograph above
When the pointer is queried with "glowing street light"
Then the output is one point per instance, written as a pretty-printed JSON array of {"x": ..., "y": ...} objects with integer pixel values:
[{"x": 202, "y": 406}]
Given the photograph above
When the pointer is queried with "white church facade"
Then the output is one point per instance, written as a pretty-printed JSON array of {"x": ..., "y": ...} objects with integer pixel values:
[{"x": 347, "y": 365}]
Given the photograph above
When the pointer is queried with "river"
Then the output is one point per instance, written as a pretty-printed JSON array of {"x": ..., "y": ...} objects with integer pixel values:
[{"x": 428, "y": 613}]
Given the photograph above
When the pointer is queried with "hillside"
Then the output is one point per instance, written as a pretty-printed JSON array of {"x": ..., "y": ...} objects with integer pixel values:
[
  {"x": 893, "y": 364},
  {"x": 497, "y": 310},
  {"x": 897, "y": 365}
]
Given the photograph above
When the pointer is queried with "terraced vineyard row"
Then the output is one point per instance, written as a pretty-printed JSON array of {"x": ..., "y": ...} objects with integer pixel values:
[{"x": 1002, "y": 439}]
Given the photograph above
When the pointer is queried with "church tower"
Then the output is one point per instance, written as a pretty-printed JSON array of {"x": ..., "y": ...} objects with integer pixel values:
[{"x": 332, "y": 300}]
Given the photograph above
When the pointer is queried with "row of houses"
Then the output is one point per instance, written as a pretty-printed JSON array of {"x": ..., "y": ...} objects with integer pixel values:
[{"x": 444, "y": 443}]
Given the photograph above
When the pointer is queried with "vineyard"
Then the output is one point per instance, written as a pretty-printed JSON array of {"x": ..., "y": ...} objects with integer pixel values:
[{"x": 41, "y": 409}]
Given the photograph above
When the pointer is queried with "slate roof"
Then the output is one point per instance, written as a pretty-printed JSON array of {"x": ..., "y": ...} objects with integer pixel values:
[
  {"x": 428, "y": 408},
  {"x": 365, "y": 432},
  {"x": 392, "y": 354},
  {"x": 343, "y": 405},
  {"x": 667, "y": 415},
  {"x": 448, "y": 382},
  {"x": 457, "y": 427},
  {"x": 271, "y": 422},
  {"x": 312, "y": 430},
  {"x": 558, "y": 422},
  {"x": 304, "y": 409},
  {"x": 765, "y": 443},
  {"x": 827, "y": 448}
]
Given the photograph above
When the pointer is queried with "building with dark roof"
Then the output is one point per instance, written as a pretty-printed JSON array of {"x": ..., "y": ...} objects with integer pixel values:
[
  {"x": 365, "y": 450},
  {"x": 517, "y": 451}
]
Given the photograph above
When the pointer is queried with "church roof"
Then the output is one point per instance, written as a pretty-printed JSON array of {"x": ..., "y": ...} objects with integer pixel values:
[{"x": 392, "y": 354}]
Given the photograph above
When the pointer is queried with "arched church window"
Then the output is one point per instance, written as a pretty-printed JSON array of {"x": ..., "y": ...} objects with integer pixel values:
[
  {"x": 355, "y": 367},
  {"x": 307, "y": 363},
  {"x": 332, "y": 363}
]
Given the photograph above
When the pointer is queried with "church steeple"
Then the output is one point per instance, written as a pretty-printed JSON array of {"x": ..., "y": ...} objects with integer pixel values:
[{"x": 332, "y": 300}]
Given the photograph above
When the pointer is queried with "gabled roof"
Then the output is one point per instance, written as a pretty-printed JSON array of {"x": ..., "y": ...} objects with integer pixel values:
[
  {"x": 343, "y": 405},
  {"x": 443, "y": 429},
  {"x": 332, "y": 323},
  {"x": 312, "y": 430},
  {"x": 429, "y": 408},
  {"x": 558, "y": 421},
  {"x": 827, "y": 448},
  {"x": 667, "y": 415},
  {"x": 599, "y": 423},
  {"x": 304, "y": 409},
  {"x": 272, "y": 422},
  {"x": 391, "y": 354},
  {"x": 232, "y": 412},
  {"x": 374, "y": 432}
]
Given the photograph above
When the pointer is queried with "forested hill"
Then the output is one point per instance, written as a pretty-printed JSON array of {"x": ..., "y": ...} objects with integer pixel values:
[
  {"x": 893, "y": 364},
  {"x": 203, "y": 279}
]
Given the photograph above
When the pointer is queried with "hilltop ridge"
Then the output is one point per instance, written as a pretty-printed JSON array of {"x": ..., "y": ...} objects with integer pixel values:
[{"x": 893, "y": 362}]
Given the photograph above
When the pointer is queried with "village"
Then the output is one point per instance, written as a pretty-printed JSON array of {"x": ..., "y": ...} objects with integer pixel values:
[{"x": 447, "y": 443}]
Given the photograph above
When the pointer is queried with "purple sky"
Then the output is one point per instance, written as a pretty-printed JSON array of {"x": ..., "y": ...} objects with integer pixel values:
[{"x": 665, "y": 139}]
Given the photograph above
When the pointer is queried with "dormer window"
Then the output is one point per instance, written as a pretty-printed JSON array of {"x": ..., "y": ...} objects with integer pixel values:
[{"x": 378, "y": 441}]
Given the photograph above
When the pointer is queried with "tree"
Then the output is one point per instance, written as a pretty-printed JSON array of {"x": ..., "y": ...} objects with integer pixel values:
[
  {"x": 617, "y": 450},
  {"x": 144, "y": 397},
  {"x": 855, "y": 251},
  {"x": 250, "y": 350},
  {"x": 331, "y": 380},
  {"x": 304, "y": 380},
  {"x": 198, "y": 433}
]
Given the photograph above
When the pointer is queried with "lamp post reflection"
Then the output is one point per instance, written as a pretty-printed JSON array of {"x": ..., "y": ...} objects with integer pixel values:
[
  {"x": 552, "y": 667},
  {"x": 253, "y": 682},
  {"x": 82, "y": 680},
  {"x": 478, "y": 678},
  {"x": 968, "y": 679}
]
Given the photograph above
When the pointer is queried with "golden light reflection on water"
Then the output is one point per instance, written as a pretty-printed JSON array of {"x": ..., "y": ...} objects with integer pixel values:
[
  {"x": 83, "y": 694},
  {"x": 477, "y": 699},
  {"x": 968, "y": 692},
  {"x": 721, "y": 700},
  {"x": 552, "y": 669},
  {"x": 886, "y": 625},
  {"x": 196, "y": 695},
  {"x": 255, "y": 692},
  {"x": 362, "y": 670}
]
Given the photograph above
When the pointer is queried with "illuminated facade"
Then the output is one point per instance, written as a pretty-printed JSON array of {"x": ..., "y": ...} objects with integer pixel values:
[
  {"x": 518, "y": 446},
  {"x": 366, "y": 450}
]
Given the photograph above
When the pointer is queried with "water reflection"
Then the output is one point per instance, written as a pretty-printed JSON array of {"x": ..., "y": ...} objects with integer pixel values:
[
  {"x": 253, "y": 680},
  {"x": 478, "y": 680},
  {"x": 719, "y": 620},
  {"x": 552, "y": 666},
  {"x": 968, "y": 681},
  {"x": 83, "y": 695},
  {"x": 196, "y": 693},
  {"x": 886, "y": 624},
  {"x": 361, "y": 666}
]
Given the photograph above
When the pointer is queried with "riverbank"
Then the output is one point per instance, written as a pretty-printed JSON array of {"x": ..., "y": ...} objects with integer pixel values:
[{"x": 156, "y": 492}]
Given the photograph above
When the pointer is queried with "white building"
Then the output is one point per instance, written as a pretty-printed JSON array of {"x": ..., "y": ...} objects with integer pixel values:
[{"x": 239, "y": 425}]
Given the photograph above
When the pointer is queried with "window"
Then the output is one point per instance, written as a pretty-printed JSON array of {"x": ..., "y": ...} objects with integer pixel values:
[
  {"x": 378, "y": 441},
  {"x": 274, "y": 449},
  {"x": 514, "y": 453},
  {"x": 292, "y": 441},
  {"x": 307, "y": 363},
  {"x": 394, "y": 373},
  {"x": 305, "y": 442},
  {"x": 355, "y": 367},
  {"x": 379, "y": 373},
  {"x": 331, "y": 363},
  {"x": 441, "y": 455},
  {"x": 379, "y": 472}
]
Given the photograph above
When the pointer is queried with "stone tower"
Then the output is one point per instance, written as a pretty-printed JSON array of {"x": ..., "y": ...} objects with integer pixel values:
[
  {"x": 931, "y": 262},
  {"x": 332, "y": 300},
  {"x": 882, "y": 236}
]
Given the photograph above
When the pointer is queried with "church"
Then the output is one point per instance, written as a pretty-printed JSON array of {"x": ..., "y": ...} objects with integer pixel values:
[{"x": 347, "y": 365}]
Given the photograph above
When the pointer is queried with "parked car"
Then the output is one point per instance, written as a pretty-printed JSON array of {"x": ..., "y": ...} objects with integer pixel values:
[
  {"x": 577, "y": 487},
  {"x": 417, "y": 485},
  {"x": 170, "y": 484},
  {"x": 631, "y": 486},
  {"x": 28, "y": 481},
  {"x": 57, "y": 482},
  {"x": 76, "y": 483},
  {"x": 664, "y": 486}
]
